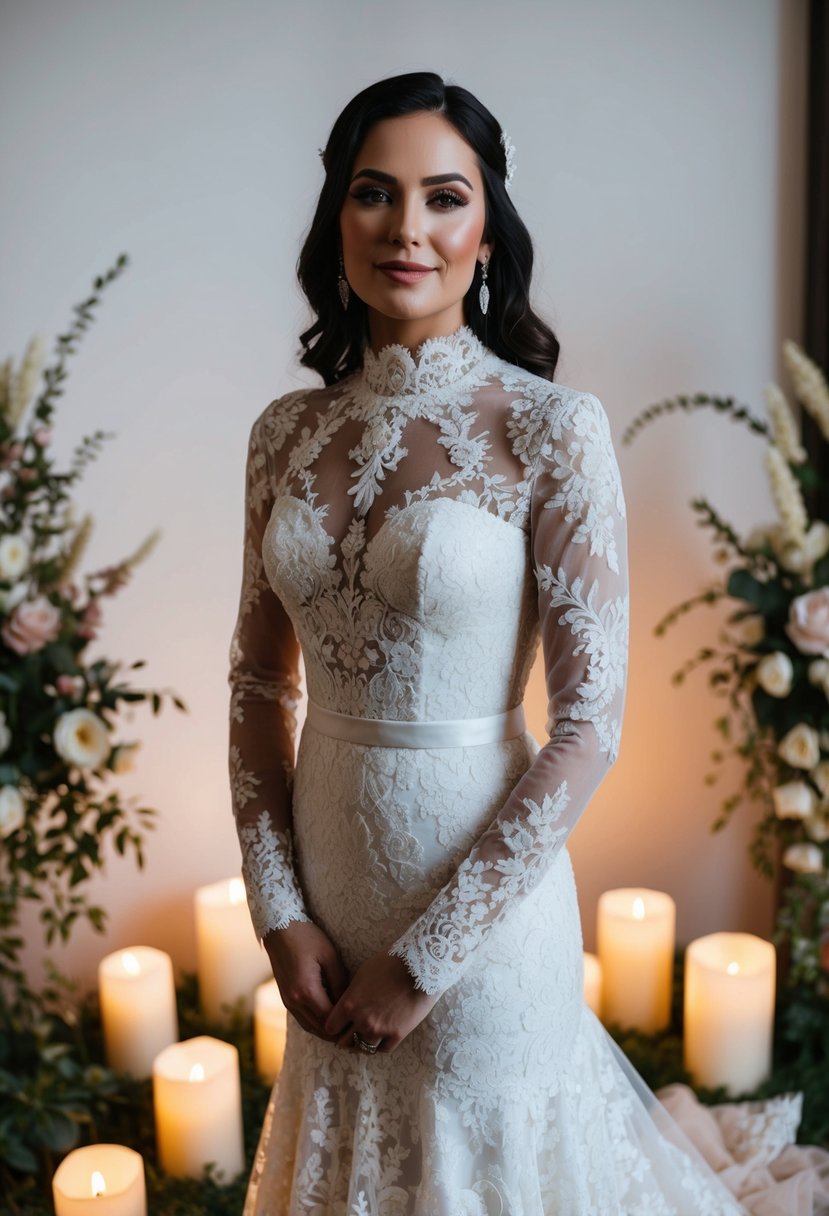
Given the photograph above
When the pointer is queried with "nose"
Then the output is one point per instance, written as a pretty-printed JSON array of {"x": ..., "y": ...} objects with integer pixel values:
[{"x": 405, "y": 223}]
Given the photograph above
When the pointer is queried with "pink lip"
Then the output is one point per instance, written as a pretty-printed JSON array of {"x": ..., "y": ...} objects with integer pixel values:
[{"x": 405, "y": 272}]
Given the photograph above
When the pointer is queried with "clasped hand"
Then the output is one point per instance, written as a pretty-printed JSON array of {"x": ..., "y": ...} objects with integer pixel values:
[{"x": 380, "y": 1001}]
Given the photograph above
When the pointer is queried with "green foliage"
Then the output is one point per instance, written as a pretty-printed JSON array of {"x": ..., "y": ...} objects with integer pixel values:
[
  {"x": 769, "y": 577},
  {"x": 60, "y": 807},
  {"x": 73, "y": 1092}
]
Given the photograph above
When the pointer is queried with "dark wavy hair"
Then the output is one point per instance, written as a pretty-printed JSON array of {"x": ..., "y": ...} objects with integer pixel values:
[{"x": 334, "y": 344}]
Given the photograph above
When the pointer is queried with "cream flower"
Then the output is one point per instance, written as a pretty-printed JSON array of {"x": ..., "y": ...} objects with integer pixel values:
[
  {"x": 14, "y": 557},
  {"x": 800, "y": 558},
  {"x": 787, "y": 495},
  {"x": 124, "y": 759},
  {"x": 817, "y": 826},
  {"x": 752, "y": 629},
  {"x": 5, "y": 734},
  {"x": 774, "y": 674},
  {"x": 783, "y": 425},
  {"x": 12, "y": 810},
  {"x": 799, "y": 747},
  {"x": 805, "y": 858},
  {"x": 809, "y": 384},
  {"x": 808, "y": 623},
  {"x": 22, "y": 386},
  {"x": 793, "y": 800},
  {"x": 81, "y": 738}
]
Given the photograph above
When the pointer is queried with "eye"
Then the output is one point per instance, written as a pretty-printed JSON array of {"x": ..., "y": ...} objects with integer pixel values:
[
  {"x": 447, "y": 200},
  {"x": 371, "y": 195}
]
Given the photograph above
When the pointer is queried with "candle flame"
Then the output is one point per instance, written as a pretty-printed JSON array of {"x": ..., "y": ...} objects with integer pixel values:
[
  {"x": 196, "y": 1073},
  {"x": 733, "y": 968},
  {"x": 236, "y": 891},
  {"x": 130, "y": 963},
  {"x": 638, "y": 908},
  {"x": 97, "y": 1184}
]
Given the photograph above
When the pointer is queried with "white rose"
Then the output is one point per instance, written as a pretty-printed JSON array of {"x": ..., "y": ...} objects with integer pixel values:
[
  {"x": 81, "y": 738},
  {"x": 818, "y": 674},
  {"x": 805, "y": 858},
  {"x": 820, "y": 776},
  {"x": 793, "y": 800},
  {"x": 11, "y": 810},
  {"x": 5, "y": 733},
  {"x": 800, "y": 747},
  {"x": 14, "y": 557},
  {"x": 774, "y": 674},
  {"x": 14, "y": 596}
]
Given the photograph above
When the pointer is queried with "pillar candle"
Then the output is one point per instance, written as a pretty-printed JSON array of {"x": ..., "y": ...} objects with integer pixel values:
[
  {"x": 729, "y": 1010},
  {"x": 100, "y": 1180},
  {"x": 636, "y": 930},
  {"x": 270, "y": 1028},
  {"x": 138, "y": 1007},
  {"x": 593, "y": 983},
  {"x": 198, "y": 1108},
  {"x": 230, "y": 960}
]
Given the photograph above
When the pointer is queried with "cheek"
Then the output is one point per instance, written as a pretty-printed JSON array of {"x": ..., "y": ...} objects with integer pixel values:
[
  {"x": 355, "y": 229},
  {"x": 459, "y": 242}
]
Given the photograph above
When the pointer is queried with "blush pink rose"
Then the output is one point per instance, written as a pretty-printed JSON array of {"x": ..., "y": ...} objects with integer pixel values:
[
  {"x": 808, "y": 624},
  {"x": 32, "y": 624}
]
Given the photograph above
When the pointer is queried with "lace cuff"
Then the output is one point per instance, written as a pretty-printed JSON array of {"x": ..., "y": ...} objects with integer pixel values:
[
  {"x": 274, "y": 895},
  {"x": 436, "y": 948}
]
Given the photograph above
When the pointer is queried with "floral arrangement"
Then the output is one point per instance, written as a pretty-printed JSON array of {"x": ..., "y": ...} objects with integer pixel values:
[
  {"x": 772, "y": 664},
  {"x": 60, "y": 750}
]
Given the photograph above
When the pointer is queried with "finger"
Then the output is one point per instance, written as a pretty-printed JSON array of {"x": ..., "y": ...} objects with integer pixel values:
[{"x": 335, "y": 977}]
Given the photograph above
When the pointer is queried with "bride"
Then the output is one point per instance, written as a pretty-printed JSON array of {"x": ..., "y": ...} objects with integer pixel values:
[{"x": 415, "y": 527}]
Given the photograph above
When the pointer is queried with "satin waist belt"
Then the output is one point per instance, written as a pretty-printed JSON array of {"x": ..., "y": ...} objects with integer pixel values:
[{"x": 382, "y": 732}]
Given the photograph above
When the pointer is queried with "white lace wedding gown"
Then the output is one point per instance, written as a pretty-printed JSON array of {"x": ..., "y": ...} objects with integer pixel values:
[{"x": 416, "y": 529}]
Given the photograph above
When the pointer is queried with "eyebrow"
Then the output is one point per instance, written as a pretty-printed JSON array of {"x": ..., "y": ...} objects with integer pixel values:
[{"x": 438, "y": 180}]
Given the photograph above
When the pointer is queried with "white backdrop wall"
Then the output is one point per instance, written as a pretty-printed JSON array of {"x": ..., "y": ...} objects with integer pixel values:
[{"x": 660, "y": 154}]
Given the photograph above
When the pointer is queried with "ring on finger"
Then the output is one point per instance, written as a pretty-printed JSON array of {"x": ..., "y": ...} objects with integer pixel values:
[{"x": 360, "y": 1042}]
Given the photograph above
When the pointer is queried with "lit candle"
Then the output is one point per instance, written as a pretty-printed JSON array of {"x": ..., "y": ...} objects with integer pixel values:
[
  {"x": 198, "y": 1108},
  {"x": 230, "y": 960},
  {"x": 270, "y": 1028},
  {"x": 100, "y": 1180},
  {"x": 636, "y": 931},
  {"x": 729, "y": 1010},
  {"x": 593, "y": 982},
  {"x": 138, "y": 1007}
]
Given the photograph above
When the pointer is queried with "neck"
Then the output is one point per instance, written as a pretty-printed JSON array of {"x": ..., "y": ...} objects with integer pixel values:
[{"x": 411, "y": 333}]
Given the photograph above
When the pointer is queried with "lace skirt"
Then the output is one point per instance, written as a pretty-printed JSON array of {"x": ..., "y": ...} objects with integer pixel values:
[{"x": 509, "y": 1098}]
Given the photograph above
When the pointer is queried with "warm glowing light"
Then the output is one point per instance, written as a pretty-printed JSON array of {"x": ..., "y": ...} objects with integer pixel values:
[
  {"x": 733, "y": 968},
  {"x": 98, "y": 1185},
  {"x": 236, "y": 891},
  {"x": 196, "y": 1073},
  {"x": 130, "y": 963},
  {"x": 638, "y": 908}
]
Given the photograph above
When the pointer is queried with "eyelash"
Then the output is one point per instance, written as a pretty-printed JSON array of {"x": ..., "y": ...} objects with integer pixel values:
[{"x": 456, "y": 199}]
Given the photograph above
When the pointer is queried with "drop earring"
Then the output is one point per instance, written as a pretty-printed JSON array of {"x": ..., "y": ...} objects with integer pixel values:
[
  {"x": 342, "y": 285},
  {"x": 483, "y": 294}
]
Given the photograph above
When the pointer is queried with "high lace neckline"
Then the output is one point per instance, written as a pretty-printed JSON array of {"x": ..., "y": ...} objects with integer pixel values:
[{"x": 437, "y": 363}]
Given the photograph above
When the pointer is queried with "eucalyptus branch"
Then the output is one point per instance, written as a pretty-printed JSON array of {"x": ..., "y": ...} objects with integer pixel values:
[
  {"x": 711, "y": 596},
  {"x": 723, "y": 405}
]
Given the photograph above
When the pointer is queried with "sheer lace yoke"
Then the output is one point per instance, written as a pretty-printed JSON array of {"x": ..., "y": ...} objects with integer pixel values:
[{"x": 405, "y": 428}]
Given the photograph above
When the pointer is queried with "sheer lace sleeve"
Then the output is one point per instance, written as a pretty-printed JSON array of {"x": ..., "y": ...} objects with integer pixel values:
[
  {"x": 264, "y": 682},
  {"x": 579, "y": 553}
]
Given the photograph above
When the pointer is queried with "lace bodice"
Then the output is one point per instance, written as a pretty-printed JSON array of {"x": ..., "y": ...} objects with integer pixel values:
[{"x": 416, "y": 529}]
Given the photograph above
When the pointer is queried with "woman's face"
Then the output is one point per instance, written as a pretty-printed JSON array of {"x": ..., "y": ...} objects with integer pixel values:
[{"x": 416, "y": 197}]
